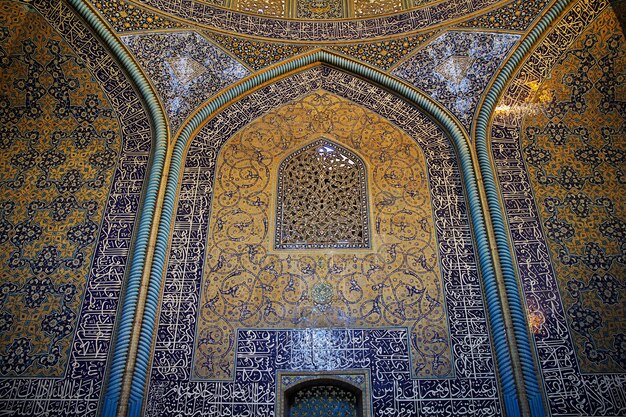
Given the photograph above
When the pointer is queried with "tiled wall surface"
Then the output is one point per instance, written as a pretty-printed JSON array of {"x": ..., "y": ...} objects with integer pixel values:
[
  {"x": 204, "y": 312},
  {"x": 60, "y": 144},
  {"x": 241, "y": 315},
  {"x": 186, "y": 69},
  {"x": 558, "y": 143},
  {"x": 391, "y": 280},
  {"x": 456, "y": 67},
  {"x": 76, "y": 143}
]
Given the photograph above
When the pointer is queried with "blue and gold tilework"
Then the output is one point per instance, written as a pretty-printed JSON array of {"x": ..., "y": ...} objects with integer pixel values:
[
  {"x": 557, "y": 142},
  {"x": 382, "y": 54},
  {"x": 193, "y": 305},
  {"x": 517, "y": 15},
  {"x": 324, "y": 401},
  {"x": 128, "y": 17},
  {"x": 321, "y": 223},
  {"x": 60, "y": 143},
  {"x": 394, "y": 282},
  {"x": 256, "y": 54},
  {"x": 575, "y": 152},
  {"x": 75, "y": 150},
  {"x": 186, "y": 69},
  {"x": 456, "y": 67},
  {"x": 321, "y": 9},
  {"x": 370, "y": 25}
]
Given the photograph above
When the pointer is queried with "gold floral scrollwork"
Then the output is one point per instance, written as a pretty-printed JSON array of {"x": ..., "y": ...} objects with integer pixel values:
[{"x": 249, "y": 284}]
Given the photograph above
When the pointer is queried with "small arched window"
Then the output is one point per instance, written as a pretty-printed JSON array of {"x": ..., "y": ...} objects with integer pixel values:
[
  {"x": 322, "y": 199},
  {"x": 323, "y": 397}
]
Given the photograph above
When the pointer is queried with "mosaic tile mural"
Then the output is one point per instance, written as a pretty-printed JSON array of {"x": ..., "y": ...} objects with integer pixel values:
[
  {"x": 384, "y": 54},
  {"x": 126, "y": 17},
  {"x": 275, "y": 8},
  {"x": 186, "y": 309},
  {"x": 256, "y": 54},
  {"x": 321, "y": 9},
  {"x": 186, "y": 69},
  {"x": 67, "y": 221},
  {"x": 456, "y": 67},
  {"x": 365, "y": 8},
  {"x": 259, "y": 54},
  {"x": 360, "y": 380},
  {"x": 576, "y": 167},
  {"x": 560, "y": 133},
  {"x": 397, "y": 283},
  {"x": 243, "y": 317},
  {"x": 52, "y": 200},
  {"x": 314, "y": 351}
]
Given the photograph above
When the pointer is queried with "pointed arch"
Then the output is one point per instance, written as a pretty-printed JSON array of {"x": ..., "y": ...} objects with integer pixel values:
[
  {"x": 129, "y": 309},
  {"x": 420, "y": 100},
  {"x": 524, "y": 345},
  {"x": 335, "y": 391}
]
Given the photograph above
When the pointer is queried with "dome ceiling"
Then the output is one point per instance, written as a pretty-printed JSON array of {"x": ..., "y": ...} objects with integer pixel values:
[{"x": 320, "y": 9}]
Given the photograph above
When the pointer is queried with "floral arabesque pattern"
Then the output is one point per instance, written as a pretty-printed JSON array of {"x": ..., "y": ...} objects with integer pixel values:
[
  {"x": 60, "y": 143},
  {"x": 127, "y": 17},
  {"x": 260, "y": 54},
  {"x": 456, "y": 67},
  {"x": 321, "y": 9},
  {"x": 576, "y": 164},
  {"x": 397, "y": 283},
  {"x": 256, "y": 54},
  {"x": 516, "y": 15},
  {"x": 186, "y": 68}
]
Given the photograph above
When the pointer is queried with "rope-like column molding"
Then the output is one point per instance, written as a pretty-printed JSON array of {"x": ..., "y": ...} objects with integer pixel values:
[
  {"x": 516, "y": 305},
  {"x": 140, "y": 248},
  {"x": 460, "y": 141}
]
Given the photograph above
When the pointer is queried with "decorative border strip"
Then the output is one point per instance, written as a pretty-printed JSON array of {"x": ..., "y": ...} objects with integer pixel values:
[
  {"x": 516, "y": 304},
  {"x": 140, "y": 248},
  {"x": 232, "y": 21},
  {"x": 415, "y": 97}
]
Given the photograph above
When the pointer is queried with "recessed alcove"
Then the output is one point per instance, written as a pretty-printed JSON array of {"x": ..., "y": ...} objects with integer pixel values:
[{"x": 321, "y": 395}]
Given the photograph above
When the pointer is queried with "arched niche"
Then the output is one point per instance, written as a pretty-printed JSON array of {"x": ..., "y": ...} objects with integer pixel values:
[
  {"x": 266, "y": 351},
  {"x": 323, "y": 396},
  {"x": 250, "y": 283}
]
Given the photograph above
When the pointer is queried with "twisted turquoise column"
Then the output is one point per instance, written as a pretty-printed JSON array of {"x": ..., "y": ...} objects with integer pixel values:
[
  {"x": 159, "y": 148},
  {"x": 496, "y": 318},
  {"x": 516, "y": 305}
]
